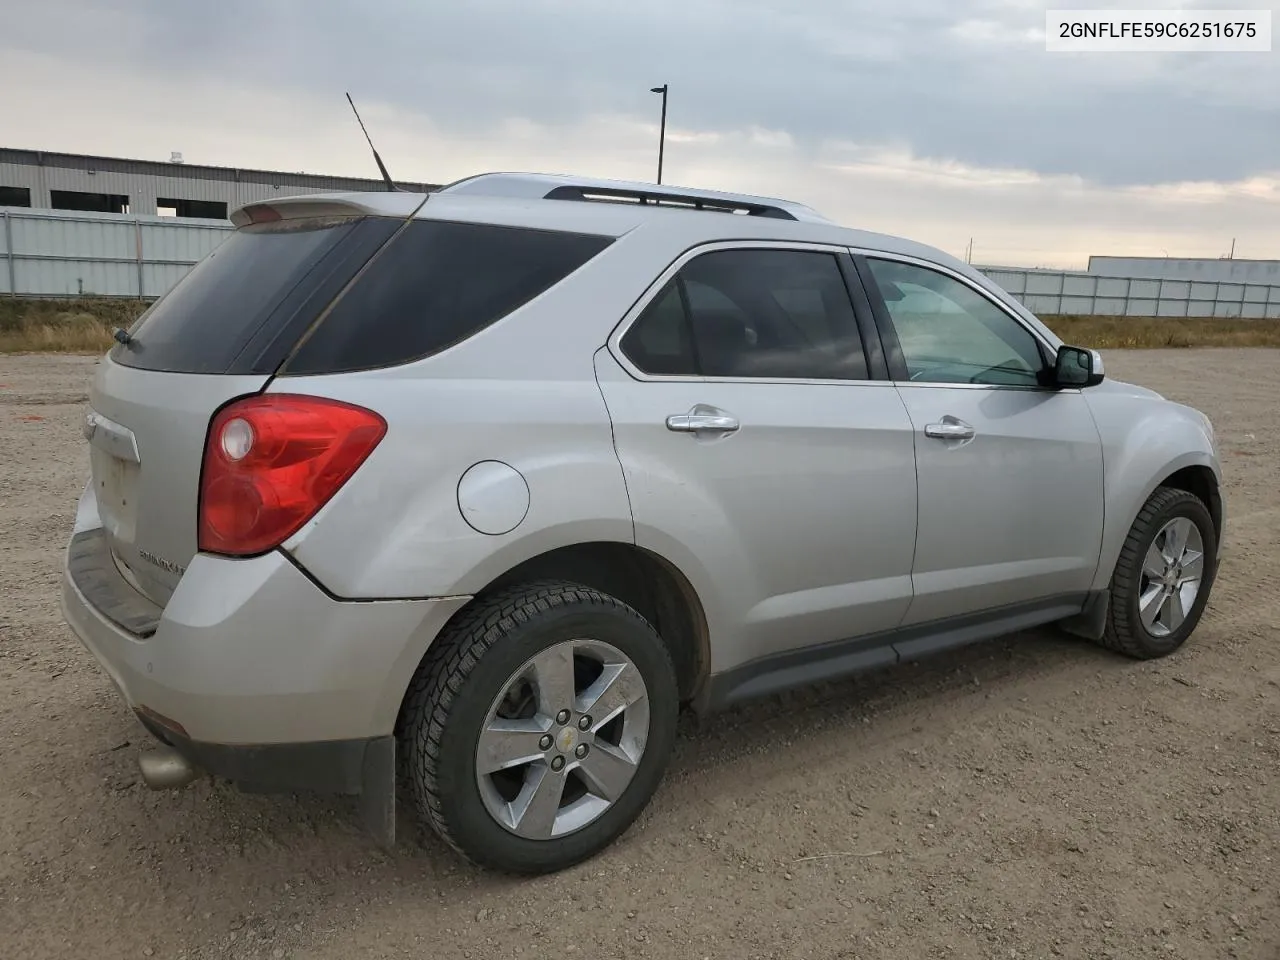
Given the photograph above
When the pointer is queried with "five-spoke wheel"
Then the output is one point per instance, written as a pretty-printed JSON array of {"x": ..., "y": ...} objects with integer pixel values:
[
  {"x": 1171, "y": 574},
  {"x": 1163, "y": 576},
  {"x": 563, "y": 739},
  {"x": 539, "y": 726}
]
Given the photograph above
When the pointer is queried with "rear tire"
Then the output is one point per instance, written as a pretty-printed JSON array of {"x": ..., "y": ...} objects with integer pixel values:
[
  {"x": 1155, "y": 605},
  {"x": 510, "y": 686}
]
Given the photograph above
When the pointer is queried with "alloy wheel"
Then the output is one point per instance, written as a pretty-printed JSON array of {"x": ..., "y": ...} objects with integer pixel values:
[
  {"x": 563, "y": 739},
  {"x": 1172, "y": 571}
]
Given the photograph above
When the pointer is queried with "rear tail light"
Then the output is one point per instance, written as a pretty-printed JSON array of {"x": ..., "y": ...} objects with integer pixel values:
[{"x": 271, "y": 462}]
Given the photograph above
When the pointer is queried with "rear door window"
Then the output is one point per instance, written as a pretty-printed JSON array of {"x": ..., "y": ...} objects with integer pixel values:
[
  {"x": 660, "y": 343},
  {"x": 754, "y": 313},
  {"x": 241, "y": 307},
  {"x": 435, "y": 285}
]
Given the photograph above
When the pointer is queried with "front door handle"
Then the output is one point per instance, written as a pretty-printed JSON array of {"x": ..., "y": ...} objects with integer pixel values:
[
  {"x": 702, "y": 419},
  {"x": 950, "y": 428}
]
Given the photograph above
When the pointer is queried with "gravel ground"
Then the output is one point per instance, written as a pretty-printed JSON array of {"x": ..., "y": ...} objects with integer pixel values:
[{"x": 1030, "y": 797}]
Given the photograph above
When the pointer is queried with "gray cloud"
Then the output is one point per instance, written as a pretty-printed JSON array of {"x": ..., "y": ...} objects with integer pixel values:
[{"x": 955, "y": 80}]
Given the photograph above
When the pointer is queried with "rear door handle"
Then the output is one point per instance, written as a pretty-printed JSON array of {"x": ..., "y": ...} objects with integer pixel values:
[
  {"x": 702, "y": 419},
  {"x": 950, "y": 428}
]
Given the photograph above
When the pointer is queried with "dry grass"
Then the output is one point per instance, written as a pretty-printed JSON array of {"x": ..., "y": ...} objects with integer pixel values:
[
  {"x": 85, "y": 325},
  {"x": 1112, "y": 333},
  {"x": 63, "y": 326}
]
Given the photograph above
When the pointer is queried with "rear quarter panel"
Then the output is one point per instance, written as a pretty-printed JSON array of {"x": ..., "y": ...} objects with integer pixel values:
[
  {"x": 396, "y": 530},
  {"x": 522, "y": 392}
]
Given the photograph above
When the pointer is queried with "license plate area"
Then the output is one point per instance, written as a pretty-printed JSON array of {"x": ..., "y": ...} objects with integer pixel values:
[{"x": 117, "y": 485}]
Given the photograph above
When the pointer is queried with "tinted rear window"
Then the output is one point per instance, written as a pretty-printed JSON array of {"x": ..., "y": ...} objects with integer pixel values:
[
  {"x": 244, "y": 305},
  {"x": 773, "y": 314},
  {"x": 436, "y": 284}
]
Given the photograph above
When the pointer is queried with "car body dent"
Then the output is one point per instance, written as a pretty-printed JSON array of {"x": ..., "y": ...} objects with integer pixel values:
[{"x": 560, "y": 443}]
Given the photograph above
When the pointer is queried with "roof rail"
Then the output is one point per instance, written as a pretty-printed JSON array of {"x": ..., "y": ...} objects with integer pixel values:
[
  {"x": 537, "y": 186},
  {"x": 664, "y": 199}
]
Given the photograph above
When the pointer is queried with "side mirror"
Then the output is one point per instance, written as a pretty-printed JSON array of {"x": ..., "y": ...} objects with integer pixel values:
[{"x": 1077, "y": 367}]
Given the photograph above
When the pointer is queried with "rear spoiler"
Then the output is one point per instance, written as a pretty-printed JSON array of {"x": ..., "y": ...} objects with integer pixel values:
[{"x": 397, "y": 205}]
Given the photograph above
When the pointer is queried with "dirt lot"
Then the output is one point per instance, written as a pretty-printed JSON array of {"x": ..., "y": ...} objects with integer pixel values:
[{"x": 1033, "y": 797}]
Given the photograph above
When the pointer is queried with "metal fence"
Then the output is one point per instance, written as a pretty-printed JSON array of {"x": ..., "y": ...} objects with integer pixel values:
[
  {"x": 1208, "y": 270},
  {"x": 53, "y": 253},
  {"x": 1054, "y": 292}
]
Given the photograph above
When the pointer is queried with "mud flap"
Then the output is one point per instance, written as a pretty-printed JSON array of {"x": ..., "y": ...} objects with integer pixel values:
[
  {"x": 378, "y": 790},
  {"x": 1091, "y": 622}
]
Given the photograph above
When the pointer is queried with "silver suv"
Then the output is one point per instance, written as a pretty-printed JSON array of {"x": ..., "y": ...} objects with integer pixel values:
[{"x": 478, "y": 488}]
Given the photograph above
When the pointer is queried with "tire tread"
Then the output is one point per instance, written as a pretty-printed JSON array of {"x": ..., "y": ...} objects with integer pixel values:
[
  {"x": 451, "y": 659},
  {"x": 1122, "y": 635}
]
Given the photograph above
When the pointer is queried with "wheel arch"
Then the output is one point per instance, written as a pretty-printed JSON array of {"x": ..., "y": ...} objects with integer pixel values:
[
  {"x": 1195, "y": 471},
  {"x": 1202, "y": 482},
  {"x": 653, "y": 586}
]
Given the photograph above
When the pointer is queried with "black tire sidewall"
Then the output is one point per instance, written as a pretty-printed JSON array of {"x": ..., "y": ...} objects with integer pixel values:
[
  {"x": 472, "y": 827},
  {"x": 1191, "y": 508}
]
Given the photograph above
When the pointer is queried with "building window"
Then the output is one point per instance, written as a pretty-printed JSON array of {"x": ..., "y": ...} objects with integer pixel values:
[
  {"x": 91, "y": 202},
  {"x": 15, "y": 197},
  {"x": 201, "y": 209}
]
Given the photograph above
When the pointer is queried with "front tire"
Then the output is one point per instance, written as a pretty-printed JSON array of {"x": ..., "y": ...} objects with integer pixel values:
[
  {"x": 539, "y": 726},
  {"x": 1163, "y": 576}
]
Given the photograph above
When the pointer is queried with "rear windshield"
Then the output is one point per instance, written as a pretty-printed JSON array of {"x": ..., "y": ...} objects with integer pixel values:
[
  {"x": 243, "y": 307},
  {"x": 436, "y": 284}
]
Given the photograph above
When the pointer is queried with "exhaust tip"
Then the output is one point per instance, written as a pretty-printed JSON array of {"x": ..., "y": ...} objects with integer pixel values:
[{"x": 165, "y": 769}]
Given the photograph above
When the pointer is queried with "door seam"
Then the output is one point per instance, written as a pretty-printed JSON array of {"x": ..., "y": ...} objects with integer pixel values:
[
  {"x": 613, "y": 437},
  {"x": 915, "y": 467}
]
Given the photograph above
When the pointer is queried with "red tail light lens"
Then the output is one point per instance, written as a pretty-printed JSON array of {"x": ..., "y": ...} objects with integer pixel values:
[{"x": 271, "y": 462}]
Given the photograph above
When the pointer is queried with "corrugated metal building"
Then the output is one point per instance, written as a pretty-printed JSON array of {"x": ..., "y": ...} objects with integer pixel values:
[
  {"x": 1216, "y": 270},
  {"x": 67, "y": 181}
]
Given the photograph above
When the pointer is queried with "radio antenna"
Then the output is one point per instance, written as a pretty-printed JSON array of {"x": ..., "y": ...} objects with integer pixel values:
[{"x": 386, "y": 177}]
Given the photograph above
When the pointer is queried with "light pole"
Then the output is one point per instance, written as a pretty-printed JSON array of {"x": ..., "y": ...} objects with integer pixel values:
[{"x": 662, "y": 135}]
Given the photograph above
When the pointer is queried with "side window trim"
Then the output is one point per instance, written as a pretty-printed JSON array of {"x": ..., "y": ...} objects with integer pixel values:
[
  {"x": 862, "y": 311},
  {"x": 893, "y": 357},
  {"x": 889, "y": 335},
  {"x": 687, "y": 310}
]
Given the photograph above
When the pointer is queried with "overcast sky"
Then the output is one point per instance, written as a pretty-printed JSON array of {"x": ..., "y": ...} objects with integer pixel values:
[{"x": 937, "y": 119}]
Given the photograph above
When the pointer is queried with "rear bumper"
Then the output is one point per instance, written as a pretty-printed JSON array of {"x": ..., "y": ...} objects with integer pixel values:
[
  {"x": 365, "y": 768},
  {"x": 251, "y": 654},
  {"x": 331, "y": 766}
]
